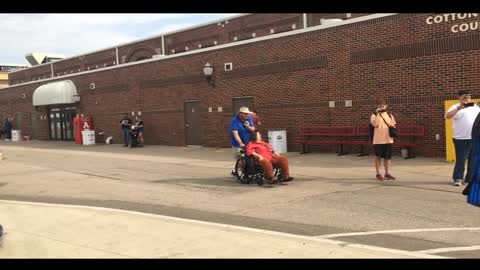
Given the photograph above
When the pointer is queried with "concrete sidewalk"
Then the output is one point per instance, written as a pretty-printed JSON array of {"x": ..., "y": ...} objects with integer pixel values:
[{"x": 36, "y": 230}]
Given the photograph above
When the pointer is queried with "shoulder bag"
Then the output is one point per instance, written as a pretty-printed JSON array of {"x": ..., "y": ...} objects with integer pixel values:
[{"x": 391, "y": 130}]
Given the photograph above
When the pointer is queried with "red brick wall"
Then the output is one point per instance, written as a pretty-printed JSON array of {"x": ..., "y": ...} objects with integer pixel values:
[{"x": 414, "y": 65}]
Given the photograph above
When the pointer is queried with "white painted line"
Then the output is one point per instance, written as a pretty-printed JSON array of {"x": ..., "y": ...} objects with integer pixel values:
[
  {"x": 450, "y": 249},
  {"x": 327, "y": 236},
  {"x": 226, "y": 226}
]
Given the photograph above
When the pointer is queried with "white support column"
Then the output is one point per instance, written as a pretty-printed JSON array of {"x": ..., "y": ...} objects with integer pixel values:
[
  {"x": 163, "y": 45},
  {"x": 51, "y": 68},
  {"x": 116, "y": 53},
  {"x": 304, "y": 20}
]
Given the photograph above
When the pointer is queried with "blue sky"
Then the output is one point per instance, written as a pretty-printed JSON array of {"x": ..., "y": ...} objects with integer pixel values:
[{"x": 74, "y": 34}]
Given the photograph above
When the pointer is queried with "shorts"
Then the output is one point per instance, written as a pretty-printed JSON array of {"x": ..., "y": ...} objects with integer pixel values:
[{"x": 383, "y": 150}]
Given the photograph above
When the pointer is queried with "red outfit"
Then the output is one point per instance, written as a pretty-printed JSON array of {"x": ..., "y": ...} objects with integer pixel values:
[
  {"x": 269, "y": 159},
  {"x": 262, "y": 148}
]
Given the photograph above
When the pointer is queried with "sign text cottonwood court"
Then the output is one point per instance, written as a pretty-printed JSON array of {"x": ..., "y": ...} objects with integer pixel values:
[{"x": 455, "y": 17}]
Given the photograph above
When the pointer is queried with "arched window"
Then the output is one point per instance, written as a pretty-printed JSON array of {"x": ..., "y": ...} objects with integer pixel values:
[{"x": 139, "y": 54}]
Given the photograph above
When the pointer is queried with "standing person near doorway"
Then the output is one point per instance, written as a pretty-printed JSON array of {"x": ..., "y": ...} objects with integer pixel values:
[
  {"x": 463, "y": 116},
  {"x": 125, "y": 124},
  {"x": 7, "y": 127},
  {"x": 241, "y": 127},
  {"x": 139, "y": 128},
  {"x": 382, "y": 142}
]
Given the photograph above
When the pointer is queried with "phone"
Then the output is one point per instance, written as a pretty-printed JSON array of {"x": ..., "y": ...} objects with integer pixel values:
[{"x": 470, "y": 104}]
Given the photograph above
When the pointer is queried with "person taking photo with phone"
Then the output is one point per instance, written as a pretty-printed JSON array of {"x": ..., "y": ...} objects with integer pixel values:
[
  {"x": 382, "y": 120},
  {"x": 463, "y": 116}
]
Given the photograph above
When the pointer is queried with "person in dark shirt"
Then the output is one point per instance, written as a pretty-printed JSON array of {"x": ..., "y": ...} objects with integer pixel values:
[
  {"x": 125, "y": 125},
  {"x": 7, "y": 128}
]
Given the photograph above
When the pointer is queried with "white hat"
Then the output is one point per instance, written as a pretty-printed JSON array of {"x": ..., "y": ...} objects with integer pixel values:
[{"x": 244, "y": 110}]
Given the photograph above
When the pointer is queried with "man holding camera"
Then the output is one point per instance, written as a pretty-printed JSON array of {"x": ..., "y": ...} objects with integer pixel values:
[
  {"x": 241, "y": 127},
  {"x": 126, "y": 124},
  {"x": 381, "y": 120},
  {"x": 463, "y": 116}
]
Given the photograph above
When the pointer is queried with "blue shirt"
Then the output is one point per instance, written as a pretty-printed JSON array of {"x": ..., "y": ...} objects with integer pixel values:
[{"x": 243, "y": 132}]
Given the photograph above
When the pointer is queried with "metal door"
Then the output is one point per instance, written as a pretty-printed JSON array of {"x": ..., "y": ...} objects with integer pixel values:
[
  {"x": 61, "y": 123},
  {"x": 55, "y": 119},
  {"x": 239, "y": 102},
  {"x": 69, "y": 114},
  {"x": 192, "y": 122}
]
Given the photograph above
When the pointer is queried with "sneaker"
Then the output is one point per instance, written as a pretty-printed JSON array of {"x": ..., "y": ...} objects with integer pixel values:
[
  {"x": 288, "y": 179},
  {"x": 389, "y": 177},
  {"x": 234, "y": 174},
  {"x": 272, "y": 181},
  {"x": 379, "y": 177},
  {"x": 457, "y": 183}
]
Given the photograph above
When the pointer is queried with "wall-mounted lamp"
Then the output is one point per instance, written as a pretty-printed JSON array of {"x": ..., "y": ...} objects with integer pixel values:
[{"x": 208, "y": 72}]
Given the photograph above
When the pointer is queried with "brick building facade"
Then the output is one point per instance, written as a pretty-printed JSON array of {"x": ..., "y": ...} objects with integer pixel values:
[{"x": 291, "y": 65}]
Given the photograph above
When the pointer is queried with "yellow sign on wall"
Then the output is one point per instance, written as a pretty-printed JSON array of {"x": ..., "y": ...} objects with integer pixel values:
[{"x": 450, "y": 148}]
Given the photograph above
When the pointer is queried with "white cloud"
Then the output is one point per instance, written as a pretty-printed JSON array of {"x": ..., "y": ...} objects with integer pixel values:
[
  {"x": 171, "y": 28},
  {"x": 112, "y": 19},
  {"x": 73, "y": 34}
]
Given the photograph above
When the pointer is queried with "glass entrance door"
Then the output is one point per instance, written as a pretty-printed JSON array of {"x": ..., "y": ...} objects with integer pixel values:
[
  {"x": 69, "y": 114},
  {"x": 61, "y": 123}
]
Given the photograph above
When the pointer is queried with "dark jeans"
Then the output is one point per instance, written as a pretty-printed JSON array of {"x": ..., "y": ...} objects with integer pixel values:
[
  {"x": 126, "y": 136},
  {"x": 8, "y": 134},
  {"x": 463, "y": 151}
]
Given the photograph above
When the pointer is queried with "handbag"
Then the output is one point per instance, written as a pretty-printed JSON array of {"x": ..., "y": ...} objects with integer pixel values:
[{"x": 392, "y": 131}]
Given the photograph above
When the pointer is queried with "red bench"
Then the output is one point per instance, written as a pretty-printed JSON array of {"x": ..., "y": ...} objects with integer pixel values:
[
  {"x": 339, "y": 133},
  {"x": 407, "y": 136}
]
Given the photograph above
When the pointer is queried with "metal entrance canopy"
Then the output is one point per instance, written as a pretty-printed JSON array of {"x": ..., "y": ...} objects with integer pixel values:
[{"x": 62, "y": 92}]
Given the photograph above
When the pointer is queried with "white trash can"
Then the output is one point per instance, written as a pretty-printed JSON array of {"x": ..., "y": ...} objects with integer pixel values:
[
  {"x": 16, "y": 135},
  {"x": 278, "y": 139},
  {"x": 88, "y": 137}
]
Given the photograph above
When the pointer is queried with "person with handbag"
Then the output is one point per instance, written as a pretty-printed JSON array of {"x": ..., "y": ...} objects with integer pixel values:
[{"x": 384, "y": 132}]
